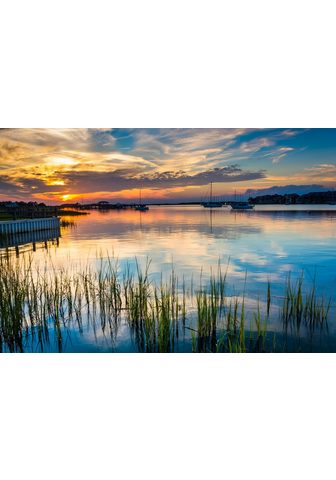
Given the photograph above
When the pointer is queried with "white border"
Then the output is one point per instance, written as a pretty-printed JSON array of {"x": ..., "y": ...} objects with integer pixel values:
[
  {"x": 143, "y": 63},
  {"x": 167, "y": 416},
  {"x": 167, "y": 64}
]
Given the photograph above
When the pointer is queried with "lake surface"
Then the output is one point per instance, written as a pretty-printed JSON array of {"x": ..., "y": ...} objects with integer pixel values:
[{"x": 255, "y": 247}]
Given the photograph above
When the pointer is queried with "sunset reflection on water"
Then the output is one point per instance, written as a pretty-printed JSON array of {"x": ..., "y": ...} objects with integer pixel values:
[
  {"x": 254, "y": 247},
  {"x": 264, "y": 243}
]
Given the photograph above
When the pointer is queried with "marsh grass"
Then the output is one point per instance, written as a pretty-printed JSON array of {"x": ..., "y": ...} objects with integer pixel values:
[
  {"x": 40, "y": 307},
  {"x": 65, "y": 223},
  {"x": 303, "y": 308}
]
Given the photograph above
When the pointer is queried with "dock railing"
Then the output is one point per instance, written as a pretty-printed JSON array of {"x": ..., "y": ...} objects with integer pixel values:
[{"x": 8, "y": 227}]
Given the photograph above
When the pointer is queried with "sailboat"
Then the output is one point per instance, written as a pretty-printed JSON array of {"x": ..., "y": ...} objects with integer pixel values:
[
  {"x": 211, "y": 203},
  {"x": 141, "y": 207},
  {"x": 241, "y": 205}
]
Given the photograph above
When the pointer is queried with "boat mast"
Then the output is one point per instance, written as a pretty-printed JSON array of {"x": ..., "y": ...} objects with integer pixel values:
[{"x": 211, "y": 192}]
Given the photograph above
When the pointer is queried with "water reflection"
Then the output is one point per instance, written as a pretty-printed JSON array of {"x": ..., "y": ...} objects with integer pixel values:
[
  {"x": 256, "y": 247},
  {"x": 263, "y": 243}
]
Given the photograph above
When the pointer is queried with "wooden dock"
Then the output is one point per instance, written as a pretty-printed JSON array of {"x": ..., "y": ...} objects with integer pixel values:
[{"x": 10, "y": 227}]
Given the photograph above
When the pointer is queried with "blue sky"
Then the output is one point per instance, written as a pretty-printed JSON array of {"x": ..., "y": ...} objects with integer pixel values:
[{"x": 66, "y": 164}]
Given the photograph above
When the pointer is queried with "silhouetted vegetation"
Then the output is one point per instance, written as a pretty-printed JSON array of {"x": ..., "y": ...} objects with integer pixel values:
[
  {"x": 313, "y": 198},
  {"x": 25, "y": 210}
]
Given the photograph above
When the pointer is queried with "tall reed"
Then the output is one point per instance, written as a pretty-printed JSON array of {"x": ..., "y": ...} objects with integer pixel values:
[{"x": 40, "y": 307}]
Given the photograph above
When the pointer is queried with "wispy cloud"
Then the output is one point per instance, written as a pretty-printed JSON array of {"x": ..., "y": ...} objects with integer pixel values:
[
  {"x": 118, "y": 180},
  {"x": 48, "y": 163},
  {"x": 322, "y": 168}
]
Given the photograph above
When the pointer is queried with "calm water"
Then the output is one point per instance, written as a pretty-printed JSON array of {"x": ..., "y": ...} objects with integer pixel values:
[{"x": 255, "y": 246}]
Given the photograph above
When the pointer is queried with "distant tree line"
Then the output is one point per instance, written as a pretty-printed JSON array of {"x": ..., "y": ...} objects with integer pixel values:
[
  {"x": 20, "y": 210},
  {"x": 295, "y": 199}
]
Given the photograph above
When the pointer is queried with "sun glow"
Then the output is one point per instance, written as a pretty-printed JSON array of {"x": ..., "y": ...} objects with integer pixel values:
[
  {"x": 66, "y": 161},
  {"x": 56, "y": 183},
  {"x": 68, "y": 196}
]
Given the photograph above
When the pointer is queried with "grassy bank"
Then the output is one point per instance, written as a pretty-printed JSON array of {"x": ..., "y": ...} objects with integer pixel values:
[
  {"x": 29, "y": 215},
  {"x": 37, "y": 304},
  {"x": 4, "y": 216}
]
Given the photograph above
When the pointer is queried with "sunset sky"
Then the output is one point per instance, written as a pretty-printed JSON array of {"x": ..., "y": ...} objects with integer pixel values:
[{"x": 67, "y": 165}]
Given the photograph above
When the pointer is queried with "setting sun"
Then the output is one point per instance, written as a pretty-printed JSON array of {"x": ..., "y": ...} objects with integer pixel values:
[
  {"x": 62, "y": 161},
  {"x": 168, "y": 165},
  {"x": 67, "y": 197}
]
